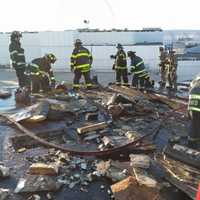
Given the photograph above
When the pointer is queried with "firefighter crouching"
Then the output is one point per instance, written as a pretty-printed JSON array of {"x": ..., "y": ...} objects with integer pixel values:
[
  {"x": 141, "y": 78},
  {"x": 41, "y": 73},
  {"x": 120, "y": 66},
  {"x": 194, "y": 113},
  {"x": 81, "y": 61},
  {"x": 18, "y": 58}
]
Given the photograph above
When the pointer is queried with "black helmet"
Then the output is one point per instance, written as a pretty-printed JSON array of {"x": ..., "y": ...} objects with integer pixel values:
[
  {"x": 51, "y": 57},
  {"x": 119, "y": 46},
  {"x": 131, "y": 53},
  {"x": 78, "y": 41},
  {"x": 15, "y": 34},
  {"x": 161, "y": 49}
]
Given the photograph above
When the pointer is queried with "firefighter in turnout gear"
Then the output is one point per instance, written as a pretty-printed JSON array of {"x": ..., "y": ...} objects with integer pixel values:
[
  {"x": 17, "y": 57},
  {"x": 163, "y": 65},
  {"x": 42, "y": 77},
  {"x": 194, "y": 113},
  {"x": 172, "y": 75},
  {"x": 141, "y": 78},
  {"x": 120, "y": 66},
  {"x": 81, "y": 61}
]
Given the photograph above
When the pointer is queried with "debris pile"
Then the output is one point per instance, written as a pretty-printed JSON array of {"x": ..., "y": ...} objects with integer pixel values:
[{"x": 112, "y": 136}]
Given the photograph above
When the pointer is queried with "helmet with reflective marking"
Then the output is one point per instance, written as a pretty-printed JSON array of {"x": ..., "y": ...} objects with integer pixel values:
[{"x": 51, "y": 57}]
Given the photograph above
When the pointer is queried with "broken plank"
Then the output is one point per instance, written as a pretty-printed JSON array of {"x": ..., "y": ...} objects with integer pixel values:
[
  {"x": 92, "y": 127},
  {"x": 184, "y": 154}
]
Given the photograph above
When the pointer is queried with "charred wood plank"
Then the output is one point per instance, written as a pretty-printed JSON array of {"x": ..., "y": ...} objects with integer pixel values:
[
  {"x": 184, "y": 154},
  {"x": 92, "y": 127}
]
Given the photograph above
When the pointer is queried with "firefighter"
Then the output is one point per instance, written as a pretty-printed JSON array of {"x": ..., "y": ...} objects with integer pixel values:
[
  {"x": 172, "y": 75},
  {"x": 81, "y": 61},
  {"x": 18, "y": 58},
  {"x": 42, "y": 76},
  {"x": 141, "y": 77},
  {"x": 120, "y": 66},
  {"x": 163, "y": 69},
  {"x": 194, "y": 113}
]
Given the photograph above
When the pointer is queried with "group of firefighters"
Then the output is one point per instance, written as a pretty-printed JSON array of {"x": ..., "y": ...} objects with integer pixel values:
[{"x": 38, "y": 75}]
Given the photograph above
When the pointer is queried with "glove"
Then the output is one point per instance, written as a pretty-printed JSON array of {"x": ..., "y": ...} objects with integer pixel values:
[
  {"x": 129, "y": 73},
  {"x": 112, "y": 57},
  {"x": 53, "y": 84},
  {"x": 113, "y": 67}
]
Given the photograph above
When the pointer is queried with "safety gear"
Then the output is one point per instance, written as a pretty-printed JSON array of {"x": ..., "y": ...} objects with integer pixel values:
[
  {"x": 131, "y": 53},
  {"x": 163, "y": 67},
  {"x": 81, "y": 61},
  {"x": 119, "y": 46},
  {"x": 78, "y": 42},
  {"x": 51, "y": 57},
  {"x": 112, "y": 56},
  {"x": 42, "y": 76},
  {"x": 161, "y": 49},
  {"x": 140, "y": 75},
  {"x": 194, "y": 112},
  {"x": 15, "y": 34},
  {"x": 18, "y": 59},
  {"x": 120, "y": 66}
]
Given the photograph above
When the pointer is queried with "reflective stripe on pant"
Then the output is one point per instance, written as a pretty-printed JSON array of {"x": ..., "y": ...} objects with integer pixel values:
[
  {"x": 77, "y": 76},
  {"x": 122, "y": 74}
]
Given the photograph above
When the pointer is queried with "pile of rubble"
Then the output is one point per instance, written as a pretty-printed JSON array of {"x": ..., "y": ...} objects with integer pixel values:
[{"x": 70, "y": 141}]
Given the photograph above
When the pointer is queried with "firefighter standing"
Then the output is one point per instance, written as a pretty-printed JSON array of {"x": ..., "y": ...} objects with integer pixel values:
[
  {"x": 194, "y": 113},
  {"x": 172, "y": 75},
  {"x": 81, "y": 61},
  {"x": 42, "y": 77},
  {"x": 18, "y": 58},
  {"x": 120, "y": 66},
  {"x": 141, "y": 77},
  {"x": 163, "y": 67}
]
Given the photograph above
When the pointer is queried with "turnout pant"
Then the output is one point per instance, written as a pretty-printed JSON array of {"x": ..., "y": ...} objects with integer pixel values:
[
  {"x": 163, "y": 76},
  {"x": 40, "y": 83},
  {"x": 22, "y": 78},
  {"x": 195, "y": 126},
  {"x": 172, "y": 79},
  {"x": 138, "y": 81},
  {"x": 122, "y": 74},
  {"x": 77, "y": 76}
]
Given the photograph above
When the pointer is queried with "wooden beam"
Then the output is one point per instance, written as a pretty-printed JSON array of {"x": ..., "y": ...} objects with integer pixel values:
[{"x": 92, "y": 127}]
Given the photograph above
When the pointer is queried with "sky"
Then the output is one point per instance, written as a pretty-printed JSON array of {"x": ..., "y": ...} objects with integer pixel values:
[{"x": 42, "y": 15}]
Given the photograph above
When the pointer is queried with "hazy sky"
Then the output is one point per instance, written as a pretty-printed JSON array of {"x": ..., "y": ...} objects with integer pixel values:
[{"x": 66, "y": 14}]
